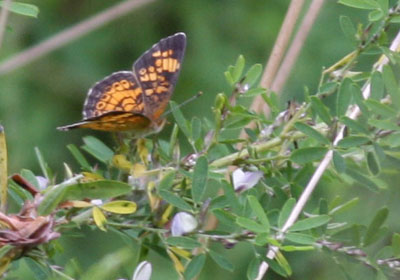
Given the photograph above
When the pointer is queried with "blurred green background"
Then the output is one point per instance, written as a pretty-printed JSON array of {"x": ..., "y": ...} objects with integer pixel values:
[{"x": 49, "y": 92}]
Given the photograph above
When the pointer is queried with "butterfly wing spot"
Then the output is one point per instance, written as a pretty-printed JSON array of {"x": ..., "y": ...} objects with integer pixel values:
[{"x": 149, "y": 91}]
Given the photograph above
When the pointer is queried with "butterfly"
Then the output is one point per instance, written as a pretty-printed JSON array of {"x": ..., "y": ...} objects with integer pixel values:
[{"x": 136, "y": 100}]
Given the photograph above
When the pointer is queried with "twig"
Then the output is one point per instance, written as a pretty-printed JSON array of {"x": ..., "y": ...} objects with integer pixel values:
[
  {"x": 278, "y": 50},
  {"x": 70, "y": 34},
  {"x": 275, "y": 59},
  {"x": 3, "y": 19},
  {"x": 3, "y": 171},
  {"x": 298, "y": 42},
  {"x": 353, "y": 113}
]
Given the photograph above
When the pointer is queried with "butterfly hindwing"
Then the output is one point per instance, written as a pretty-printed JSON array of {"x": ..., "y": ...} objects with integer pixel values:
[
  {"x": 113, "y": 121},
  {"x": 118, "y": 92},
  {"x": 157, "y": 71}
]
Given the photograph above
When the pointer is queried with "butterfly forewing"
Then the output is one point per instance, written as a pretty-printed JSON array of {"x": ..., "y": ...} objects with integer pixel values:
[{"x": 157, "y": 71}]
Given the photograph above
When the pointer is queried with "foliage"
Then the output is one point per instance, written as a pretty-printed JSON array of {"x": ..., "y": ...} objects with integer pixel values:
[{"x": 154, "y": 193}]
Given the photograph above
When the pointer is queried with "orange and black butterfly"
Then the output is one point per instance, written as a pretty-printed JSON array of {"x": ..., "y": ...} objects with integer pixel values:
[{"x": 135, "y": 100}]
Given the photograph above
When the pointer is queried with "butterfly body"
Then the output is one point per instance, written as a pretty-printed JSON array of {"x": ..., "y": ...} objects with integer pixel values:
[{"x": 135, "y": 100}]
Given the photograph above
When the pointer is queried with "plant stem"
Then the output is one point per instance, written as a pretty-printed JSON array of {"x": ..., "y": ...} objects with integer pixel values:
[
  {"x": 69, "y": 34},
  {"x": 3, "y": 19}
]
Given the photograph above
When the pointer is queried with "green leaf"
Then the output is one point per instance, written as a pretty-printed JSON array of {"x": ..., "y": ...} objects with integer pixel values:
[
  {"x": 238, "y": 69},
  {"x": 231, "y": 197},
  {"x": 310, "y": 223},
  {"x": 380, "y": 153},
  {"x": 221, "y": 261},
  {"x": 384, "y": 4},
  {"x": 261, "y": 239},
  {"x": 377, "y": 86},
  {"x": 396, "y": 245},
  {"x": 251, "y": 225},
  {"x": 338, "y": 162},
  {"x": 309, "y": 131},
  {"x": 101, "y": 189},
  {"x": 280, "y": 258},
  {"x": 229, "y": 79},
  {"x": 43, "y": 164},
  {"x": 359, "y": 100},
  {"x": 300, "y": 238},
  {"x": 305, "y": 155},
  {"x": 173, "y": 140},
  {"x": 175, "y": 200},
  {"x": 183, "y": 242},
  {"x": 345, "y": 206},
  {"x": 259, "y": 211},
  {"x": 328, "y": 88},
  {"x": 97, "y": 149},
  {"x": 376, "y": 15},
  {"x": 253, "y": 92},
  {"x": 393, "y": 140},
  {"x": 200, "y": 174},
  {"x": 291, "y": 248},
  {"x": 52, "y": 198},
  {"x": 180, "y": 119},
  {"x": 37, "y": 269},
  {"x": 79, "y": 157},
  {"x": 360, "y": 4},
  {"x": 348, "y": 28},
  {"x": 23, "y": 9},
  {"x": 285, "y": 212},
  {"x": 344, "y": 97},
  {"x": 276, "y": 267},
  {"x": 196, "y": 128},
  {"x": 321, "y": 110},
  {"x": 380, "y": 109},
  {"x": 120, "y": 207},
  {"x": 384, "y": 124},
  {"x": 354, "y": 125},
  {"x": 30, "y": 177},
  {"x": 252, "y": 269},
  {"x": 353, "y": 141},
  {"x": 391, "y": 85},
  {"x": 224, "y": 216},
  {"x": 373, "y": 164},
  {"x": 364, "y": 181},
  {"x": 395, "y": 19},
  {"x": 375, "y": 225},
  {"x": 195, "y": 266},
  {"x": 252, "y": 75},
  {"x": 167, "y": 181}
]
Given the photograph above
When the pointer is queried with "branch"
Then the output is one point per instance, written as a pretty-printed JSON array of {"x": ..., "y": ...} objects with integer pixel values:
[
  {"x": 3, "y": 19},
  {"x": 70, "y": 34},
  {"x": 353, "y": 113},
  {"x": 297, "y": 44},
  {"x": 278, "y": 50}
]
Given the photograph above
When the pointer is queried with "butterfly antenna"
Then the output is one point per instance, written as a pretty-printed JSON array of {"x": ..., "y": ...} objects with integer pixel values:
[{"x": 200, "y": 93}]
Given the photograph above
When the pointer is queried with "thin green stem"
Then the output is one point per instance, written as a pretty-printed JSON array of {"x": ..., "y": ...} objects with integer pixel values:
[{"x": 130, "y": 226}]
